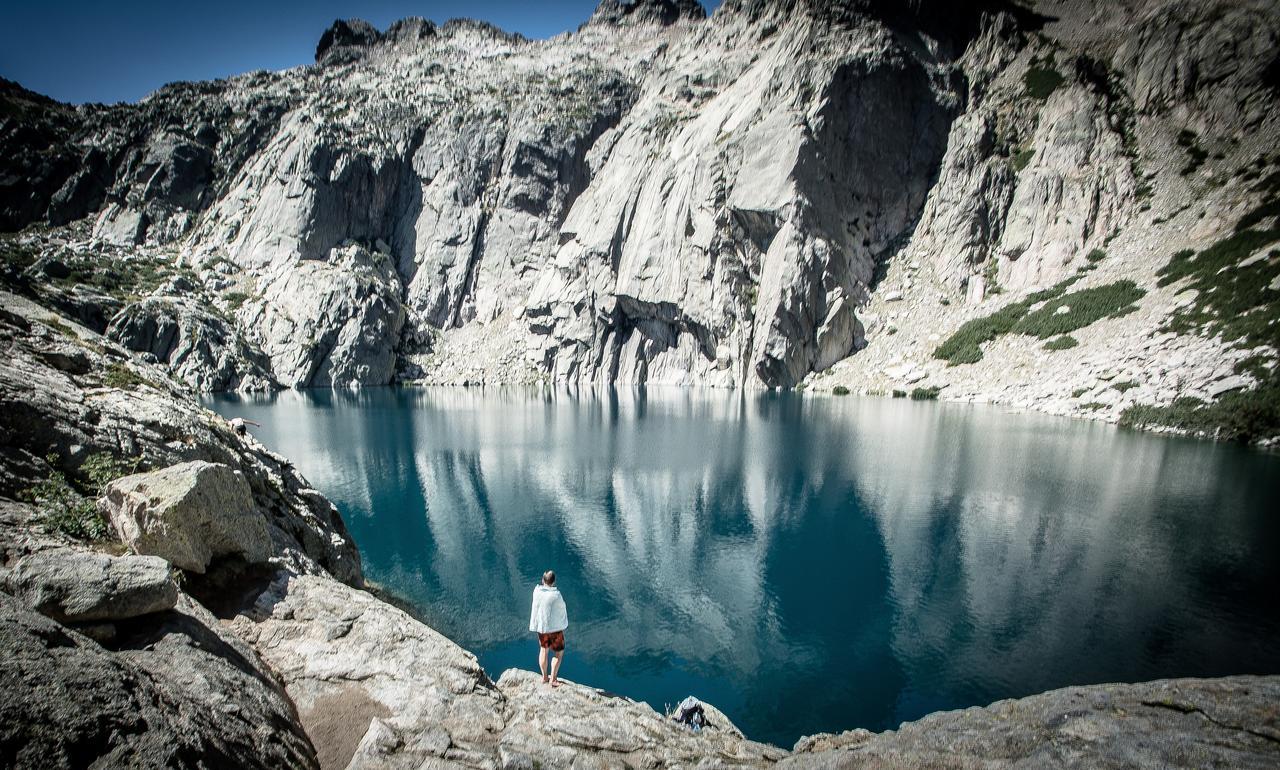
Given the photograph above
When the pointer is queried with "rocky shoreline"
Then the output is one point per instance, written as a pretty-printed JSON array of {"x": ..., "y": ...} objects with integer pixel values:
[{"x": 221, "y": 621}]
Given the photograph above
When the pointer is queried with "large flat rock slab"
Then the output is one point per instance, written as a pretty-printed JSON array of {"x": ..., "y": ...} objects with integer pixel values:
[
  {"x": 578, "y": 726},
  {"x": 1192, "y": 723},
  {"x": 78, "y": 586},
  {"x": 418, "y": 699}
]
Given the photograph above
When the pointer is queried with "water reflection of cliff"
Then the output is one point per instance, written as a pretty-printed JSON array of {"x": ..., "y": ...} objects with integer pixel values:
[{"x": 842, "y": 561}]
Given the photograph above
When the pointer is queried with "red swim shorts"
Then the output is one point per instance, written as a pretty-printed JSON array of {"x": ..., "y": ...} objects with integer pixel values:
[{"x": 553, "y": 641}]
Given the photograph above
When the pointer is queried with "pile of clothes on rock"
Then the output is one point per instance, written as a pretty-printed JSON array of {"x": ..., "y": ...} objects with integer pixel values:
[{"x": 691, "y": 714}]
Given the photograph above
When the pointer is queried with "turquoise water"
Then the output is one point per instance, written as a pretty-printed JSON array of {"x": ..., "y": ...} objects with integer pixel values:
[{"x": 806, "y": 563}]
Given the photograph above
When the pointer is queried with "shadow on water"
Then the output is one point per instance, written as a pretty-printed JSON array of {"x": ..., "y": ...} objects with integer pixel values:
[{"x": 805, "y": 563}]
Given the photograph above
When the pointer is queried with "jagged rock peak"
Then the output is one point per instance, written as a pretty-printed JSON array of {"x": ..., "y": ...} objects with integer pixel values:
[
  {"x": 664, "y": 12},
  {"x": 348, "y": 39},
  {"x": 454, "y": 27},
  {"x": 346, "y": 33},
  {"x": 410, "y": 29}
]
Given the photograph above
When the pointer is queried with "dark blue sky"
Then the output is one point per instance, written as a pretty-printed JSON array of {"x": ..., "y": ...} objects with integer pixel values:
[{"x": 85, "y": 51}]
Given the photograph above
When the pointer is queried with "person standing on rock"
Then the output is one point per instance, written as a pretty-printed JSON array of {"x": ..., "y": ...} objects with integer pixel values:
[{"x": 548, "y": 620}]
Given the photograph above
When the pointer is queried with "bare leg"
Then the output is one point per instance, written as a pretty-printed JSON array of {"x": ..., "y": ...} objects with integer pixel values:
[
  {"x": 542, "y": 662},
  {"x": 555, "y": 668}
]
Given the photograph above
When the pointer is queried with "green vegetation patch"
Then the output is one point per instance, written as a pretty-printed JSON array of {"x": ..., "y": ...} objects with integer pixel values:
[
  {"x": 1255, "y": 366},
  {"x": 1022, "y": 158},
  {"x": 925, "y": 394},
  {"x": 1041, "y": 80},
  {"x": 1265, "y": 211},
  {"x": 15, "y": 257},
  {"x": 840, "y": 390},
  {"x": 61, "y": 327},
  {"x": 235, "y": 299},
  {"x": 1123, "y": 386},
  {"x": 1241, "y": 415},
  {"x": 1233, "y": 301},
  {"x": 1065, "y": 342},
  {"x": 1079, "y": 309},
  {"x": 1196, "y": 154},
  {"x": 120, "y": 376},
  {"x": 1060, "y": 314},
  {"x": 1095, "y": 256},
  {"x": 126, "y": 279},
  {"x": 69, "y": 508},
  {"x": 962, "y": 347}
]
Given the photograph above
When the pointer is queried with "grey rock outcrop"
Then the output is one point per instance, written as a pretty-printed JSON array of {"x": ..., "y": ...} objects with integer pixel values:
[
  {"x": 1185, "y": 723},
  {"x": 411, "y": 695},
  {"x": 178, "y": 694},
  {"x": 561, "y": 727},
  {"x": 77, "y": 587},
  {"x": 201, "y": 347},
  {"x": 66, "y": 412},
  {"x": 189, "y": 515},
  {"x": 663, "y": 12},
  {"x": 345, "y": 34},
  {"x": 346, "y": 310}
]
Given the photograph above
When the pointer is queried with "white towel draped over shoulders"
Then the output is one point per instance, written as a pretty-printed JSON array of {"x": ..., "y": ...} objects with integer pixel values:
[{"x": 549, "y": 613}]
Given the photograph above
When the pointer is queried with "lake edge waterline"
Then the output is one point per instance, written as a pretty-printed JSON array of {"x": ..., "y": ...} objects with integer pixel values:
[
  {"x": 659, "y": 406},
  {"x": 983, "y": 401}
]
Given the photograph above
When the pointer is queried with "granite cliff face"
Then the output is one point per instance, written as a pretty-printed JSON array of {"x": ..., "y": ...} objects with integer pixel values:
[{"x": 750, "y": 199}]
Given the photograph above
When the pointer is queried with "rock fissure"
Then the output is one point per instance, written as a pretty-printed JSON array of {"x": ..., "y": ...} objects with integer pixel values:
[{"x": 1190, "y": 708}]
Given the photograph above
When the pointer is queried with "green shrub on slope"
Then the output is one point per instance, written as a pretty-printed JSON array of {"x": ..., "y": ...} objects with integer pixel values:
[
  {"x": 1079, "y": 309},
  {"x": 1061, "y": 313},
  {"x": 1234, "y": 301},
  {"x": 1041, "y": 81}
]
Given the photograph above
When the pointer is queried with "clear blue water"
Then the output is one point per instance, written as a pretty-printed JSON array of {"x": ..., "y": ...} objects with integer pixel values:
[{"x": 806, "y": 563}]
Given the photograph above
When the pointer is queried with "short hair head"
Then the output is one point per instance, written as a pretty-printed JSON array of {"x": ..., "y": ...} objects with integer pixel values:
[{"x": 549, "y": 577}]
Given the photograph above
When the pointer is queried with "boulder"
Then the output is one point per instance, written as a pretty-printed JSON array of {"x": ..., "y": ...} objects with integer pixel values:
[
  {"x": 181, "y": 694},
  {"x": 77, "y": 586},
  {"x": 189, "y": 514},
  {"x": 120, "y": 226}
]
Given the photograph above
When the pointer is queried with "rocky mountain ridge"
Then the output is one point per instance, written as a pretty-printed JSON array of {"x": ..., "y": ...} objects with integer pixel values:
[
  {"x": 785, "y": 194},
  {"x": 173, "y": 594}
]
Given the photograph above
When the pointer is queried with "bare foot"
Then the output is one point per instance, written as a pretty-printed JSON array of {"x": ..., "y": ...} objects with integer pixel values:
[
  {"x": 545, "y": 679},
  {"x": 555, "y": 682}
]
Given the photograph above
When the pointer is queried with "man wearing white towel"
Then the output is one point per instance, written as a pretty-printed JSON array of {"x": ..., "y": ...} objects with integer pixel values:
[{"x": 548, "y": 620}]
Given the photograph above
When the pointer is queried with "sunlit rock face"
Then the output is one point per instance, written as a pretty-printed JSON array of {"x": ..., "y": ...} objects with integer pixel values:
[{"x": 660, "y": 196}]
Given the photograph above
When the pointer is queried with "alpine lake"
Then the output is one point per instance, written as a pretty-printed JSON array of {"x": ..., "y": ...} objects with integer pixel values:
[{"x": 806, "y": 563}]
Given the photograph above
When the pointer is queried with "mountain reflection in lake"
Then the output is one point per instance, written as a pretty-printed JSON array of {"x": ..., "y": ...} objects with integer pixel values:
[{"x": 806, "y": 563}]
